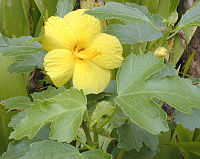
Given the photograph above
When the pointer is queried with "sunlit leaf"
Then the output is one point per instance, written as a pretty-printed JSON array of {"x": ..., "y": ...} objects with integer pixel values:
[
  {"x": 137, "y": 92},
  {"x": 173, "y": 5},
  {"x": 47, "y": 94},
  {"x": 17, "y": 102},
  {"x": 64, "y": 110}
]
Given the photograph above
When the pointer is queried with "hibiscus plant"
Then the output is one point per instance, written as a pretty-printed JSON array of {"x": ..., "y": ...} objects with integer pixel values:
[{"x": 96, "y": 79}]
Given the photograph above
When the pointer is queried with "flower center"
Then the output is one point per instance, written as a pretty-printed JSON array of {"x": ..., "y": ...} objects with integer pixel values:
[{"x": 84, "y": 54}]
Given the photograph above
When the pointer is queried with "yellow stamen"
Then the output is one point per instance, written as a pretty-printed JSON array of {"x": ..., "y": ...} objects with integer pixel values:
[{"x": 84, "y": 55}]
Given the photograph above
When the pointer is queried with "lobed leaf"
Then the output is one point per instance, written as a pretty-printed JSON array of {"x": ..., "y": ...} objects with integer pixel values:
[
  {"x": 26, "y": 50},
  {"x": 64, "y": 110},
  {"x": 137, "y": 92},
  {"x": 27, "y": 149},
  {"x": 132, "y": 136},
  {"x": 47, "y": 94},
  {"x": 95, "y": 154},
  {"x": 17, "y": 149},
  {"x": 51, "y": 149},
  {"x": 17, "y": 102},
  {"x": 27, "y": 63},
  {"x": 19, "y": 46}
]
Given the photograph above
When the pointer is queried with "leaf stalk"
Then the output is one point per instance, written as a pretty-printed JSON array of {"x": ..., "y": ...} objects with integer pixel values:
[{"x": 84, "y": 144}]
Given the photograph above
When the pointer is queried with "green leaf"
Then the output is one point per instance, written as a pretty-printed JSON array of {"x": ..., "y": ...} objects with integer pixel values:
[
  {"x": 102, "y": 109},
  {"x": 113, "y": 10},
  {"x": 96, "y": 154},
  {"x": 10, "y": 86},
  {"x": 17, "y": 102},
  {"x": 64, "y": 110},
  {"x": 19, "y": 46},
  {"x": 27, "y": 52},
  {"x": 64, "y": 7},
  {"x": 41, "y": 6},
  {"x": 190, "y": 121},
  {"x": 25, "y": 149},
  {"x": 118, "y": 118},
  {"x": 164, "y": 140},
  {"x": 173, "y": 5},
  {"x": 180, "y": 43},
  {"x": 133, "y": 33},
  {"x": 17, "y": 149},
  {"x": 144, "y": 152},
  {"x": 47, "y": 94},
  {"x": 51, "y": 150},
  {"x": 4, "y": 129},
  {"x": 14, "y": 18},
  {"x": 168, "y": 70},
  {"x": 94, "y": 99},
  {"x": 132, "y": 136},
  {"x": 192, "y": 147},
  {"x": 183, "y": 134},
  {"x": 191, "y": 17},
  {"x": 137, "y": 92},
  {"x": 27, "y": 63},
  {"x": 17, "y": 118},
  {"x": 142, "y": 9}
]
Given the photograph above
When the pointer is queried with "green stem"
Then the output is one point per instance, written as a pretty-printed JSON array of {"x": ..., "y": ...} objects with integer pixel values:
[
  {"x": 87, "y": 117},
  {"x": 84, "y": 144},
  {"x": 154, "y": 26},
  {"x": 164, "y": 37},
  {"x": 175, "y": 32},
  {"x": 121, "y": 154},
  {"x": 108, "y": 118},
  {"x": 96, "y": 137},
  {"x": 140, "y": 49},
  {"x": 87, "y": 133}
]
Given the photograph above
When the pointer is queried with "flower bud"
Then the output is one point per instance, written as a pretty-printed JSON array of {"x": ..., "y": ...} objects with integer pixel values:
[{"x": 161, "y": 52}]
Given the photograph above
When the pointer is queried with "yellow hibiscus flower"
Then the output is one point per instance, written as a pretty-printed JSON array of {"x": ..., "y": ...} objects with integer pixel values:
[{"x": 77, "y": 49}]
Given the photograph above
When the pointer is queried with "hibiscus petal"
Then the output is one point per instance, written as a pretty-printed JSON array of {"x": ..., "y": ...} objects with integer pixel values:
[
  {"x": 84, "y": 26},
  {"x": 58, "y": 35},
  {"x": 89, "y": 77},
  {"x": 110, "y": 49},
  {"x": 59, "y": 64}
]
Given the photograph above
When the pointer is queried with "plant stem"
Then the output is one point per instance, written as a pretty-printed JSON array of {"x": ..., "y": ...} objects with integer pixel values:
[
  {"x": 175, "y": 32},
  {"x": 87, "y": 133},
  {"x": 87, "y": 117},
  {"x": 96, "y": 137},
  {"x": 154, "y": 26},
  {"x": 121, "y": 154},
  {"x": 164, "y": 37},
  {"x": 140, "y": 49},
  {"x": 108, "y": 118},
  {"x": 84, "y": 144}
]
